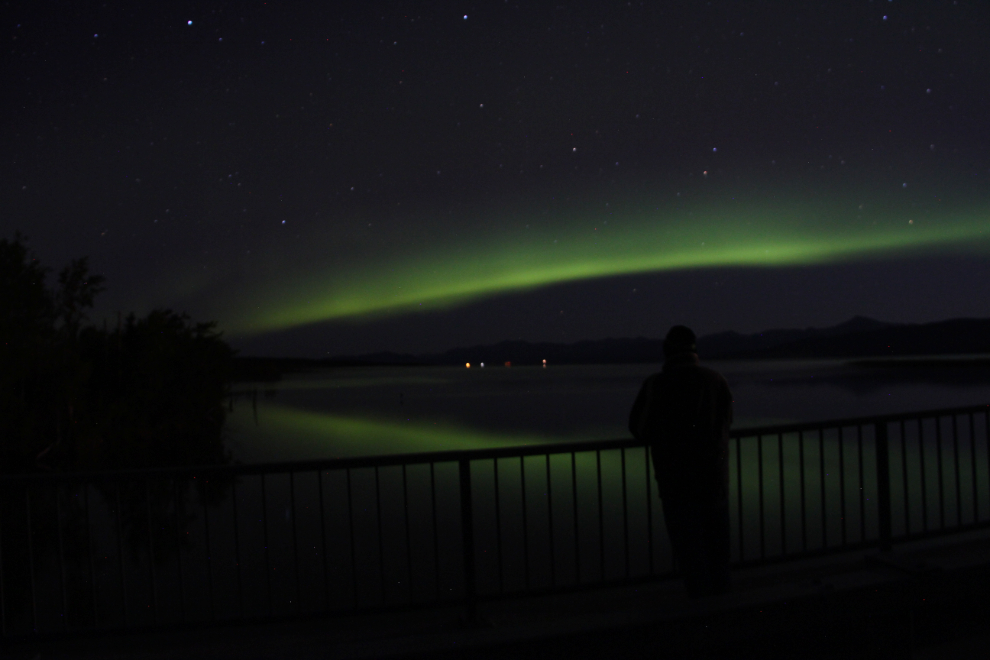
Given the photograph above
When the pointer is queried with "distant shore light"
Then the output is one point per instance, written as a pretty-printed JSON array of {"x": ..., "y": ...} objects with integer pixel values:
[{"x": 467, "y": 364}]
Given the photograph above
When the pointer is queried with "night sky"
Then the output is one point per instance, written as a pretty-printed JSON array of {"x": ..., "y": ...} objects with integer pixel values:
[{"x": 333, "y": 178}]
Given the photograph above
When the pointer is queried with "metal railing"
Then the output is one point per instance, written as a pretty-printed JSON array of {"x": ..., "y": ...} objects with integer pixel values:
[{"x": 146, "y": 548}]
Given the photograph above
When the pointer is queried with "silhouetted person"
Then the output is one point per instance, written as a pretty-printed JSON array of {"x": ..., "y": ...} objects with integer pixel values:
[{"x": 684, "y": 412}]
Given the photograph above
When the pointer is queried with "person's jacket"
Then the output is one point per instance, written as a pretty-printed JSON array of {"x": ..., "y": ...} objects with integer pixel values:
[{"x": 684, "y": 412}]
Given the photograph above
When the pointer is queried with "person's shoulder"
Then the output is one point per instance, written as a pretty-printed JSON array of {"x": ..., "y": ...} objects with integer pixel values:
[
  {"x": 711, "y": 373},
  {"x": 654, "y": 377}
]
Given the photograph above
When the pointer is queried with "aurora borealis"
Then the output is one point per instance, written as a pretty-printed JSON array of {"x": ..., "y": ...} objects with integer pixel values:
[
  {"x": 335, "y": 180},
  {"x": 645, "y": 242}
]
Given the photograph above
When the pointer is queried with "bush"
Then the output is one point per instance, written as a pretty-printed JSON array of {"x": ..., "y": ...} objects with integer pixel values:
[{"x": 150, "y": 392}]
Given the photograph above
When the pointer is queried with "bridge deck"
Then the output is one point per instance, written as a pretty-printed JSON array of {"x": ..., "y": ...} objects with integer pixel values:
[{"x": 926, "y": 599}]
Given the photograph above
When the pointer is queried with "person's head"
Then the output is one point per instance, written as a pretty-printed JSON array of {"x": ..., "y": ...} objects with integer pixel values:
[{"x": 680, "y": 339}]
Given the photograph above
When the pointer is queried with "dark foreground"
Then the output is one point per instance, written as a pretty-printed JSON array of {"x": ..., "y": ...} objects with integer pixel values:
[{"x": 926, "y": 600}]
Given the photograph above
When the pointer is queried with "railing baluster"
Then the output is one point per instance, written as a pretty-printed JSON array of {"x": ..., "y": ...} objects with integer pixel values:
[
  {"x": 601, "y": 517},
  {"x": 120, "y": 554},
  {"x": 986, "y": 432},
  {"x": 972, "y": 463},
  {"x": 553, "y": 571},
  {"x": 436, "y": 533},
  {"x": 525, "y": 522},
  {"x": 61, "y": 559},
  {"x": 883, "y": 485},
  {"x": 941, "y": 477},
  {"x": 209, "y": 548},
  {"x": 842, "y": 485},
  {"x": 30, "y": 544},
  {"x": 264, "y": 538},
  {"x": 821, "y": 481},
  {"x": 237, "y": 545},
  {"x": 739, "y": 497},
  {"x": 625, "y": 512},
  {"x": 804, "y": 515},
  {"x": 295, "y": 535},
  {"x": 574, "y": 501},
  {"x": 323, "y": 541},
  {"x": 649, "y": 506},
  {"x": 498, "y": 528},
  {"x": 151, "y": 553},
  {"x": 350, "y": 530},
  {"x": 924, "y": 480},
  {"x": 955, "y": 461},
  {"x": 904, "y": 469},
  {"x": 467, "y": 534},
  {"x": 178, "y": 550},
  {"x": 3, "y": 593},
  {"x": 89, "y": 554},
  {"x": 759, "y": 479},
  {"x": 862, "y": 484},
  {"x": 405, "y": 516},
  {"x": 381, "y": 541},
  {"x": 783, "y": 509}
]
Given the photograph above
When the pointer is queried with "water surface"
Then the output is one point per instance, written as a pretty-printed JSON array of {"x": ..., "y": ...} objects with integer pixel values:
[{"x": 386, "y": 410}]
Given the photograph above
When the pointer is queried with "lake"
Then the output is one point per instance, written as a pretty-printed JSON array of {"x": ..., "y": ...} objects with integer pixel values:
[{"x": 386, "y": 410}]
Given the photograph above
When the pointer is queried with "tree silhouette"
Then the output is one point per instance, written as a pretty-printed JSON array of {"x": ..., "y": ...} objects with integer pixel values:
[
  {"x": 73, "y": 397},
  {"x": 148, "y": 393}
]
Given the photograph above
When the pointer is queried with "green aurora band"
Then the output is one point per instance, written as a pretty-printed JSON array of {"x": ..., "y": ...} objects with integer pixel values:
[{"x": 450, "y": 271}]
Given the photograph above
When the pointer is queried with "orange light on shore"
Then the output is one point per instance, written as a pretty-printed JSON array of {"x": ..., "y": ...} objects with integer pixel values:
[
  {"x": 544, "y": 364},
  {"x": 467, "y": 364}
]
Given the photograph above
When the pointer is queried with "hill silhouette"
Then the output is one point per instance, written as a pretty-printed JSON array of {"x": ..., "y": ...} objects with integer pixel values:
[
  {"x": 952, "y": 337},
  {"x": 859, "y": 337}
]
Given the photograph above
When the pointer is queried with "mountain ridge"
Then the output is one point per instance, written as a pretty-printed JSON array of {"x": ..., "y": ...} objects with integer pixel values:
[{"x": 858, "y": 337}]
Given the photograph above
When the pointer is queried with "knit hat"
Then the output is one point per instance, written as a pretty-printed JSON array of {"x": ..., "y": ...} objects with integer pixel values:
[{"x": 680, "y": 339}]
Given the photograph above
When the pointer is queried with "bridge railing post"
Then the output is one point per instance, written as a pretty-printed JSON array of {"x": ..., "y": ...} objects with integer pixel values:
[
  {"x": 467, "y": 544},
  {"x": 883, "y": 485}
]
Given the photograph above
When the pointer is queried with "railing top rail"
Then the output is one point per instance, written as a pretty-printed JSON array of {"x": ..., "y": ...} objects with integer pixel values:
[
  {"x": 459, "y": 455},
  {"x": 855, "y": 421},
  {"x": 386, "y": 460}
]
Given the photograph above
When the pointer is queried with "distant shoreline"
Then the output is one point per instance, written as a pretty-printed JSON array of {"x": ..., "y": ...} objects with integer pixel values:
[
  {"x": 861, "y": 341},
  {"x": 924, "y": 362},
  {"x": 271, "y": 369}
]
